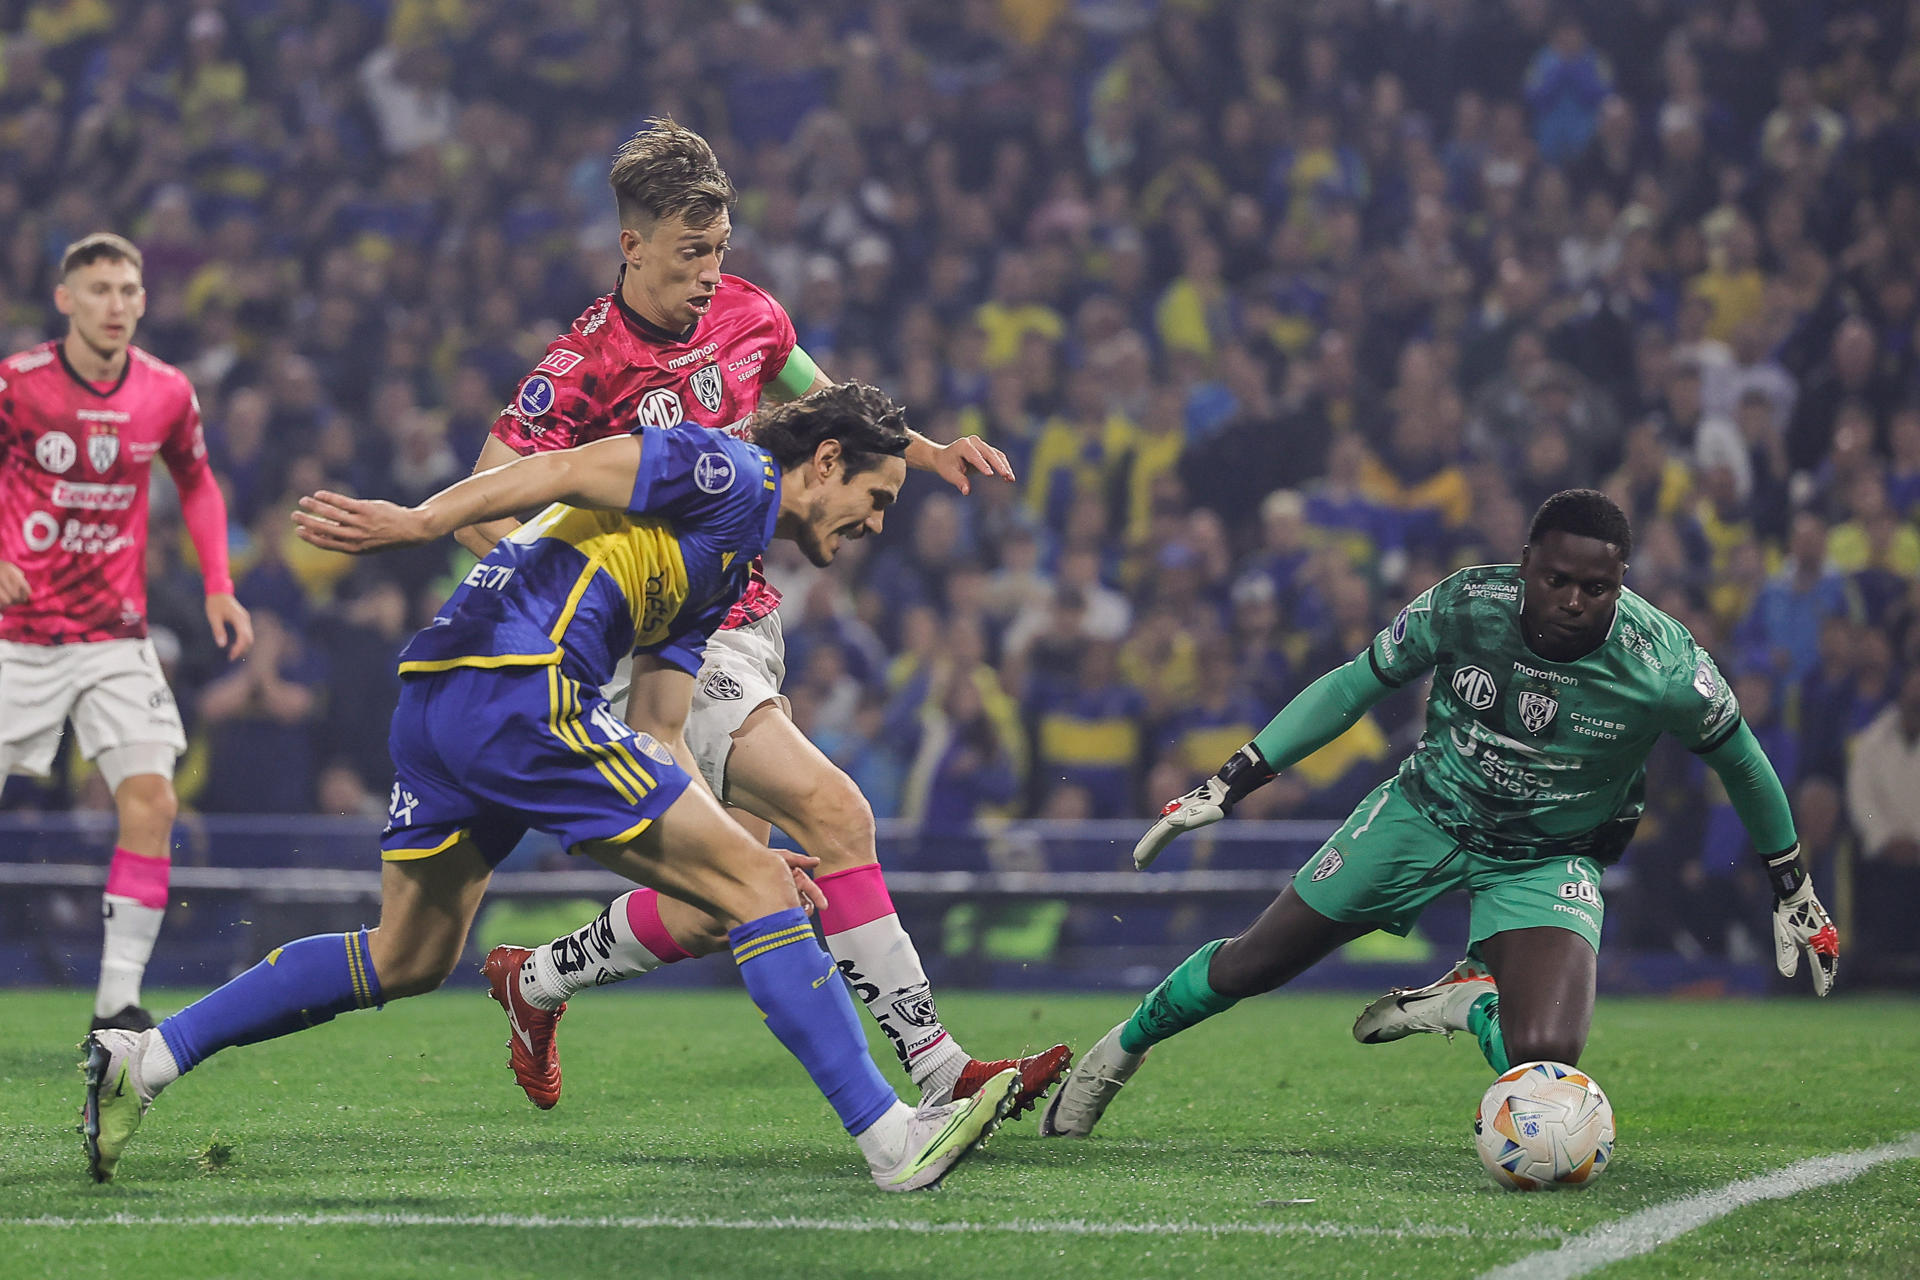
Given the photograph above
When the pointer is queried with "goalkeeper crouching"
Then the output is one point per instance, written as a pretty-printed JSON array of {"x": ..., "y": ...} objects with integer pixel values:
[{"x": 1552, "y": 682}]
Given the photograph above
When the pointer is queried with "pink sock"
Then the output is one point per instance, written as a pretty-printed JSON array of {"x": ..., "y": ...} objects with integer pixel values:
[
  {"x": 139, "y": 877},
  {"x": 880, "y": 963}
]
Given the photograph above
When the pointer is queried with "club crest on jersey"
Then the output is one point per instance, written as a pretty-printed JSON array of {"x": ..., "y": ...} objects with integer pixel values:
[
  {"x": 103, "y": 449},
  {"x": 536, "y": 396},
  {"x": 652, "y": 748},
  {"x": 1330, "y": 862},
  {"x": 1703, "y": 681},
  {"x": 1476, "y": 688},
  {"x": 660, "y": 408},
  {"x": 1536, "y": 710},
  {"x": 707, "y": 387},
  {"x": 713, "y": 472},
  {"x": 55, "y": 452}
]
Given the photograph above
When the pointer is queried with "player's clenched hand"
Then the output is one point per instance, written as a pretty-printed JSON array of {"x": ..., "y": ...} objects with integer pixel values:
[
  {"x": 358, "y": 525},
  {"x": 798, "y": 864},
  {"x": 956, "y": 462},
  {"x": 1800, "y": 924},
  {"x": 1245, "y": 770},
  {"x": 13, "y": 585},
  {"x": 232, "y": 625}
]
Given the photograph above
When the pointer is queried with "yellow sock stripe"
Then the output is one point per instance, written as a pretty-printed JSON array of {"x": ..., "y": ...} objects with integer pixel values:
[
  {"x": 364, "y": 946},
  {"x": 615, "y": 754},
  {"x": 558, "y": 720},
  {"x": 773, "y": 942},
  {"x": 353, "y": 971}
]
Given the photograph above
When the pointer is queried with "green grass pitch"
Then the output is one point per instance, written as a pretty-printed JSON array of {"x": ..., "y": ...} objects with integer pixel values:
[{"x": 689, "y": 1145}]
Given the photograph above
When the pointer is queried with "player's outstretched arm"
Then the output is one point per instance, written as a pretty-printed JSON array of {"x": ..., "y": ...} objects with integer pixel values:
[
  {"x": 600, "y": 474},
  {"x": 479, "y": 538},
  {"x": 1800, "y": 923},
  {"x": 1320, "y": 713}
]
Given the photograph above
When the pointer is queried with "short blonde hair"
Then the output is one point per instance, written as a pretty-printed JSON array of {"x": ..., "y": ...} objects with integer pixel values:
[{"x": 101, "y": 246}]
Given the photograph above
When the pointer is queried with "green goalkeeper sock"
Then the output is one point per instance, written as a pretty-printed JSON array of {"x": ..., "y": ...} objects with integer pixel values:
[
  {"x": 1183, "y": 999},
  {"x": 1483, "y": 1019}
]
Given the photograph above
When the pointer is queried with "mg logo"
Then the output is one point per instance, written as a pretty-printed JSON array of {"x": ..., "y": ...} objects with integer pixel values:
[
  {"x": 1475, "y": 687},
  {"x": 660, "y": 408}
]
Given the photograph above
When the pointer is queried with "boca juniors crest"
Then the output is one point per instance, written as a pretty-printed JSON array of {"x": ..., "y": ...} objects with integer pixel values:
[
  {"x": 707, "y": 387},
  {"x": 1536, "y": 710}
]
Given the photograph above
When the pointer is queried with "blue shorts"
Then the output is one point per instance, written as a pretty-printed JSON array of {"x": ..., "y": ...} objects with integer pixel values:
[{"x": 492, "y": 753}]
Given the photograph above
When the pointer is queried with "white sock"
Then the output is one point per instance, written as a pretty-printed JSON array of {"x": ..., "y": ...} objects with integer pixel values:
[
  {"x": 605, "y": 950},
  {"x": 130, "y": 933},
  {"x": 157, "y": 1067},
  {"x": 884, "y": 1141},
  {"x": 880, "y": 964}
]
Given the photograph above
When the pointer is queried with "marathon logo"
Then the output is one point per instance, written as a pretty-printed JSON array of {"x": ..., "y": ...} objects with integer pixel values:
[
  {"x": 93, "y": 497},
  {"x": 695, "y": 356},
  {"x": 102, "y": 415},
  {"x": 1555, "y": 677}
]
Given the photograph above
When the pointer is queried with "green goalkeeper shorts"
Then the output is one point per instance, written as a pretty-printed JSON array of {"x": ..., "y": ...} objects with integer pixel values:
[{"x": 1387, "y": 862}]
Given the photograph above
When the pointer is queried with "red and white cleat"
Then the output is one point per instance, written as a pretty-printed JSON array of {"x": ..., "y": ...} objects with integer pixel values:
[
  {"x": 535, "y": 1052},
  {"x": 1038, "y": 1074}
]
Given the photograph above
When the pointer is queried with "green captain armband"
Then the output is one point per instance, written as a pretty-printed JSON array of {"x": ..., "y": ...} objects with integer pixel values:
[{"x": 799, "y": 373}]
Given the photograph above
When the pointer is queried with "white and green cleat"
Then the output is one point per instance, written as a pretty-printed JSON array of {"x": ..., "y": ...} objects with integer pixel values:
[
  {"x": 117, "y": 1098},
  {"x": 1440, "y": 1006},
  {"x": 1096, "y": 1080},
  {"x": 938, "y": 1138}
]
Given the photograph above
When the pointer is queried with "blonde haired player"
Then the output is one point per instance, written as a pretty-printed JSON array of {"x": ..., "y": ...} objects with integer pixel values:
[{"x": 81, "y": 420}]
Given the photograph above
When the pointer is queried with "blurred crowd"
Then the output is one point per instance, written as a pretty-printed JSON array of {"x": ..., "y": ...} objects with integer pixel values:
[{"x": 1281, "y": 310}]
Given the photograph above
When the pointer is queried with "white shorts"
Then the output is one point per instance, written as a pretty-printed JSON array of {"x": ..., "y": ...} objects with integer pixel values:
[
  {"x": 112, "y": 690},
  {"x": 743, "y": 671}
]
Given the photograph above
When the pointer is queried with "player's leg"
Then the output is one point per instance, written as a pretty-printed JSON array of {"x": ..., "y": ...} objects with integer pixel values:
[
  {"x": 1543, "y": 1008},
  {"x": 125, "y": 721},
  {"x": 693, "y": 852},
  {"x": 427, "y": 906},
  {"x": 1378, "y": 871},
  {"x": 1535, "y": 924}
]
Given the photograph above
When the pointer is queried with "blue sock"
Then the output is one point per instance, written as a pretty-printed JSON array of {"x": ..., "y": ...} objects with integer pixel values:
[
  {"x": 300, "y": 985},
  {"x": 799, "y": 989}
]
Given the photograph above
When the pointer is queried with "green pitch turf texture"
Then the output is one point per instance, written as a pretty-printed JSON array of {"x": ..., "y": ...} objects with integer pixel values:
[{"x": 1265, "y": 1142}]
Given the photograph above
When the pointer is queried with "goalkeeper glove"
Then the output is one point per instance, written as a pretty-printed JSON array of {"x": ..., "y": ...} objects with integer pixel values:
[
  {"x": 1246, "y": 770},
  {"x": 1800, "y": 923}
]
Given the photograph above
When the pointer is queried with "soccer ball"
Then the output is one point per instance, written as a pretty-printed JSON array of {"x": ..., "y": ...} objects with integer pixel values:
[{"x": 1544, "y": 1125}]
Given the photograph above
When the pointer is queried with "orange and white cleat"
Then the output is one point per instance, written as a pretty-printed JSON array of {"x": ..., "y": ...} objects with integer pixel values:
[
  {"x": 1440, "y": 1006},
  {"x": 1038, "y": 1074},
  {"x": 535, "y": 1052}
]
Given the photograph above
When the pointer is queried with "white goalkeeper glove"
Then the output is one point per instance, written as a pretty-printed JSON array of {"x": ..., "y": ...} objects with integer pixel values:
[
  {"x": 1245, "y": 770},
  {"x": 1800, "y": 923}
]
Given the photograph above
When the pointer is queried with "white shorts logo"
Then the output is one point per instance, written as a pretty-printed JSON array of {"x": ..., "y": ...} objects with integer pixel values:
[
  {"x": 706, "y": 387},
  {"x": 1475, "y": 688},
  {"x": 713, "y": 473},
  {"x": 56, "y": 452},
  {"x": 660, "y": 408},
  {"x": 1330, "y": 862},
  {"x": 722, "y": 687}
]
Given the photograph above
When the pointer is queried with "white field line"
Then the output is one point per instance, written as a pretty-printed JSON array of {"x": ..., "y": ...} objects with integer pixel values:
[
  {"x": 538, "y": 1222},
  {"x": 1647, "y": 1230}
]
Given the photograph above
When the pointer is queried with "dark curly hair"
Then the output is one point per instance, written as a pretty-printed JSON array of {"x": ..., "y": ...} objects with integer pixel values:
[
  {"x": 864, "y": 419},
  {"x": 664, "y": 170},
  {"x": 1585, "y": 513}
]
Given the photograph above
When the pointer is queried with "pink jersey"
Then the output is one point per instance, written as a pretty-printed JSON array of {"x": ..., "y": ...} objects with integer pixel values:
[
  {"x": 613, "y": 372},
  {"x": 74, "y": 462}
]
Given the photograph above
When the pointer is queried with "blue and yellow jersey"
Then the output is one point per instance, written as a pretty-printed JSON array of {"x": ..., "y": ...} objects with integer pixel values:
[{"x": 579, "y": 588}]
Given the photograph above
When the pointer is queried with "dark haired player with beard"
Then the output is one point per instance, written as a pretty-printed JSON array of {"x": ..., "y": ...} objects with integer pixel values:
[
  {"x": 679, "y": 341},
  {"x": 500, "y": 728},
  {"x": 1551, "y": 683},
  {"x": 81, "y": 421}
]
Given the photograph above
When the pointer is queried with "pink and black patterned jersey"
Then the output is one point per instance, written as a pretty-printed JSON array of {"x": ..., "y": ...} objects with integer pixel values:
[
  {"x": 613, "y": 371},
  {"x": 74, "y": 464}
]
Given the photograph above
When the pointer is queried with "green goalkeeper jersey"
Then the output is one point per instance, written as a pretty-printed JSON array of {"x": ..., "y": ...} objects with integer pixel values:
[{"x": 1527, "y": 758}]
